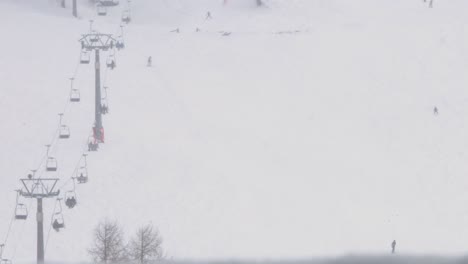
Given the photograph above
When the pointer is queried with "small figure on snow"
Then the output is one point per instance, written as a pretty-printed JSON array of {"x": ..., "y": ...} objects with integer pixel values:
[
  {"x": 393, "y": 246},
  {"x": 436, "y": 110},
  {"x": 175, "y": 30},
  {"x": 208, "y": 15},
  {"x": 150, "y": 62}
]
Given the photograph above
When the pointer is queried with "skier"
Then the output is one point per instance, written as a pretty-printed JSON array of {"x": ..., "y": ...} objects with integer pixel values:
[
  {"x": 208, "y": 15},
  {"x": 150, "y": 62},
  {"x": 393, "y": 246},
  {"x": 436, "y": 111}
]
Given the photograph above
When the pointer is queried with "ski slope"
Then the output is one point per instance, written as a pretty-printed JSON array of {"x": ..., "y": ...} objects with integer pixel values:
[{"x": 308, "y": 131}]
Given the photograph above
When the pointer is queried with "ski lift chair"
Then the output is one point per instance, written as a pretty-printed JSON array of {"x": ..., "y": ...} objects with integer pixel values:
[
  {"x": 58, "y": 221},
  {"x": 126, "y": 17},
  {"x": 109, "y": 2},
  {"x": 104, "y": 108},
  {"x": 70, "y": 199},
  {"x": 82, "y": 175},
  {"x": 101, "y": 10},
  {"x": 5, "y": 261},
  {"x": 111, "y": 62},
  {"x": 21, "y": 212},
  {"x": 75, "y": 95},
  {"x": 51, "y": 164},
  {"x": 94, "y": 37},
  {"x": 120, "y": 44},
  {"x": 85, "y": 57},
  {"x": 64, "y": 132},
  {"x": 92, "y": 146}
]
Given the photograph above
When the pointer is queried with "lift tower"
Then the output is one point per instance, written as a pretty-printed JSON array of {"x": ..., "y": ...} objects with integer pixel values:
[
  {"x": 97, "y": 42},
  {"x": 39, "y": 188}
]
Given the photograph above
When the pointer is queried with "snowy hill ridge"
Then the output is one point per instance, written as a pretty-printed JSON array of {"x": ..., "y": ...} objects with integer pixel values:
[
  {"x": 340, "y": 260},
  {"x": 250, "y": 145}
]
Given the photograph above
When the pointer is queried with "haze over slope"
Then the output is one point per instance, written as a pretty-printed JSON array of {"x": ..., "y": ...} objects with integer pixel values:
[{"x": 260, "y": 144}]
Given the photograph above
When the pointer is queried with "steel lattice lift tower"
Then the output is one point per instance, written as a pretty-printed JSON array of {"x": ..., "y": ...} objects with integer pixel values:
[
  {"x": 39, "y": 189},
  {"x": 97, "y": 42}
]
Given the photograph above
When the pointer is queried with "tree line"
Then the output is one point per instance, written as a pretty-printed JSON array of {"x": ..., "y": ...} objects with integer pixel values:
[{"x": 109, "y": 244}]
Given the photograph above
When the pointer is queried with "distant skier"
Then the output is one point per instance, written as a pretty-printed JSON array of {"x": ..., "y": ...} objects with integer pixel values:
[
  {"x": 150, "y": 62},
  {"x": 436, "y": 111},
  {"x": 208, "y": 15},
  {"x": 393, "y": 246}
]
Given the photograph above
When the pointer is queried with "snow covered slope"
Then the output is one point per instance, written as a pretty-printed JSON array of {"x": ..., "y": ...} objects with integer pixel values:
[{"x": 308, "y": 131}]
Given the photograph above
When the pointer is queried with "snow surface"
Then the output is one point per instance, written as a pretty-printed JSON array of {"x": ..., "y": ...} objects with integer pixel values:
[{"x": 264, "y": 144}]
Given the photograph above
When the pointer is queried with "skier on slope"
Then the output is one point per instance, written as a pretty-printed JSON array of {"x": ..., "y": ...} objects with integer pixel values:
[
  {"x": 208, "y": 15},
  {"x": 436, "y": 111},
  {"x": 150, "y": 62},
  {"x": 393, "y": 246}
]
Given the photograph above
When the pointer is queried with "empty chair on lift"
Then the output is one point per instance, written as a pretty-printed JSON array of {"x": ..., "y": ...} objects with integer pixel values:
[
  {"x": 101, "y": 10},
  {"x": 75, "y": 95},
  {"x": 70, "y": 199},
  {"x": 64, "y": 132},
  {"x": 51, "y": 164},
  {"x": 85, "y": 57},
  {"x": 21, "y": 212},
  {"x": 58, "y": 222}
]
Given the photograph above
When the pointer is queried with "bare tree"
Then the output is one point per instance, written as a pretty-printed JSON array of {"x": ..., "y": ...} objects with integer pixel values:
[
  {"x": 146, "y": 245},
  {"x": 108, "y": 244}
]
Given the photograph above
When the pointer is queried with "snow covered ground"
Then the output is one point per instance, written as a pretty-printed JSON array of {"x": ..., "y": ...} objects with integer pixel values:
[{"x": 308, "y": 131}]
